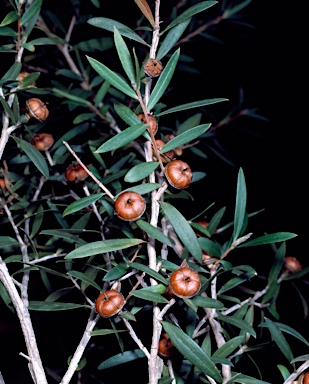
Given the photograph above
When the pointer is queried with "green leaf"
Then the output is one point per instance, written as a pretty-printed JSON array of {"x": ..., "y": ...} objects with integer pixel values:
[
  {"x": 210, "y": 247},
  {"x": 112, "y": 77},
  {"x": 146, "y": 11},
  {"x": 149, "y": 271},
  {"x": 34, "y": 155},
  {"x": 194, "y": 104},
  {"x": 290, "y": 331},
  {"x": 279, "y": 339},
  {"x": 207, "y": 302},
  {"x": 228, "y": 347},
  {"x": 126, "y": 114},
  {"x": 183, "y": 230},
  {"x": 12, "y": 73},
  {"x": 68, "y": 95},
  {"x": 7, "y": 241},
  {"x": 185, "y": 137},
  {"x": 140, "y": 171},
  {"x": 269, "y": 239},
  {"x": 122, "y": 138},
  {"x": 104, "y": 246},
  {"x": 7, "y": 31},
  {"x": 81, "y": 203},
  {"x": 239, "y": 323},
  {"x": 124, "y": 56},
  {"x": 7, "y": 109},
  {"x": 244, "y": 379},
  {"x": 163, "y": 80},
  {"x": 103, "y": 332},
  {"x": 240, "y": 206},
  {"x": 154, "y": 232},
  {"x": 63, "y": 234},
  {"x": 143, "y": 189},
  {"x": 81, "y": 276},
  {"x": 147, "y": 294},
  {"x": 172, "y": 38},
  {"x": 30, "y": 79},
  {"x": 53, "y": 306},
  {"x": 191, "y": 351},
  {"x": 284, "y": 371},
  {"x": 234, "y": 282},
  {"x": 121, "y": 358},
  {"x": 32, "y": 12},
  {"x": 116, "y": 272},
  {"x": 11, "y": 17},
  {"x": 109, "y": 24}
]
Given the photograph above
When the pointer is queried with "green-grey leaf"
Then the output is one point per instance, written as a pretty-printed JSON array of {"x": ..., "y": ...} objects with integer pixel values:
[
  {"x": 210, "y": 247},
  {"x": 63, "y": 234},
  {"x": 68, "y": 95},
  {"x": 194, "y": 104},
  {"x": 239, "y": 323},
  {"x": 116, "y": 272},
  {"x": 183, "y": 230},
  {"x": 121, "y": 358},
  {"x": 207, "y": 302},
  {"x": 7, "y": 241},
  {"x": 104, "y": 246},
  {"x": 103, "y": 332},
  {"x": 149, "y": 296},
  {"x": 32, "y": 12},
  {"x": 9, "y": 18},
  {"x": 163, "y": 80},
  {"x": 109, "y": 24},
  {"x": 244, "y": 379},
  {"x": 192, "y": 351},
  {"x": 12, "y": 72},
  {"x": 53, "y": 306},
  {"x": 149, "y": 271},
  {"x": 81, "y": 276},
  {"x": 81, "y": 203},
  {"x": 279, "y": 339},
  {"x": 126, "y": 114},
  {"x": 185, "y": 137},
  {"x": 228, "y": 347},
  {"x": 140, "y": 171},
  {"x": 269, "y": 239},
  {"x": 240, "y": 206},
  {"x": 289, "y": 330},
  {"x": 172, "y": 38},
  {"x": 124, "y": 56},
  {"x": 190, "y": 12},
  {"x": 7, "y": 109},
  {"x": 112, "y": 77},
  {"x": 154, "y": 232},
  {"x": 143, "y": 189},
  {"x": 34, "y": 155}
]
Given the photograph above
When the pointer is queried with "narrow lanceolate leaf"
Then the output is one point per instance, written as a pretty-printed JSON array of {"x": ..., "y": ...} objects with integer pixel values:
[
  {"x": 34, "y": 155},
  {"x": 194, "y": 104},
  {"x": 10, "y": 18},
  {"x": 144, "y": 188},
  {"x": 7, "y": 109},
  {"x": 192, "y": 351},
  {"x": 64, "y": 235},
  {"x": 112, "y": 77},
  {"x": 210, "y": 247},
  {"x": 207, "y": 302},
  {"x": 126, "y": 114},
  {"x": 7, "y": 241},
  {"x": 116, "y": 272},
  {"x": 239, "y": 323},
  {"x": 276, "y": 268},
  {"x": 240, "y": 206},
  {"x": 122, "y": 138},
  {"x": 290, "y": 331},
  {"x": 121, "y": 358},
  {"x": 98, "y": 247},
  {"x": 228, "y": 347},
  {"x": 279, "y": 339},
  {"x": 145, "y": 9},
  {"x": 183, "y": 230},
  {"x": 185, "y": 137},
  {"x": 171, "y": 38},
  {"x": 154, "y": 232},
  {"x": 109, "y": 24},
  {"x": 103, "y": 332},
  {"x": 269, "y": 239},
  {"x": 53, "y": 306},
  {"x": 12, "y": 72},
  {"x": 124, "y": 56},
  {"x": 149, "y": 271},
  {"x": 81, "y": 276},
  {"x": 149, "y": 296},
  {"x": 244, "y": 379},
  {"x": 32, "y": 12},
  {"x": 140, "y": 171},
  {"x": 163, "y": 80},
  {"x": 81, "y": 203},
  {"x": 68, "y": 95},
  {"x": 191, "y": 12}
]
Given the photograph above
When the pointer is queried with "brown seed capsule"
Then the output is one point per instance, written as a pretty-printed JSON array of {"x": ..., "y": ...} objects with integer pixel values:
[
  {"x": 153, "y": 67},
  {"x": 306, "y": 378},
  {"x": 153, "y": 124},
  {"x": 177, "y": 150},
  {"x": 37, "y": 109},
  {"x": 292, "y": 264},
  {"x": 185, "y": 282},
  {"x": 166, "y": 347},
  {"x": 2, "y": 184},
  {"x": 21, "y": 77},
  {"x": 178, "y": 174},
  {"x": 109, "y": 303},
  {"x": 130, "y": 206},
  {"x": 166, "y": 156},
  {"x": 75, "y": 173},
  {"x": 42, "y": 141}
]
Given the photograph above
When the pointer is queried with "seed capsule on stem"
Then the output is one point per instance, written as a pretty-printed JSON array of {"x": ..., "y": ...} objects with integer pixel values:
[
  {"x": 166, "y": 157},
  {"x": 37, "y": 108},
  {"x": 42, "y": 141},
  {"x": 153, "y": 124},
  {"x": 166, "y": 348},
  {"x": 184, "y": 282},
  {"x": 178, "y": 174},
  {"x": 292, "y": 264},
  {"x": 109, "y": 303},
  {"x": 75, "y": 173},
  {"x": 130, "y": 206}
]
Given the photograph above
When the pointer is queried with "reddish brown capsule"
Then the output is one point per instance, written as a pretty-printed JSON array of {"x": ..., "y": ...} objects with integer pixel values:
[
  {"x": 42, "y": 141},
  {"x": 178, "y": 174},
  {"x": 306, "y": 378},
  {"x": 2, "y": 184},
  {"x": 130, "y": 206},
  {"x": 292, "y": 264},
  {"x": 37, "y": 109},
  {"x": 153, "y": 67},
  {"x": 75, "y": 173},
  {"x": 166, "y": 156},
  {"x": 153, "y": 124},
  {"x": 185, "y": 282},
  {"x": 109, "y": 303},
  {"x": 166, "y": 348},
  {"x": 178, "y": 150},
  {"x": 21, "y": 77}
]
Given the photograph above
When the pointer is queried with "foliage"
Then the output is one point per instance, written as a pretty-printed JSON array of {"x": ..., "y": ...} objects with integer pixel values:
[{"x": 62, "y": 233}]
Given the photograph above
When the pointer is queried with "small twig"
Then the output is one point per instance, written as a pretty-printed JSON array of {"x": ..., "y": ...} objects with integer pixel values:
[
  {"x": 89, "y": 173},
  {"x": 295, "y": 374},
  {"x": 171, "y": 371},
  {"x": 135, "y": 338}
]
